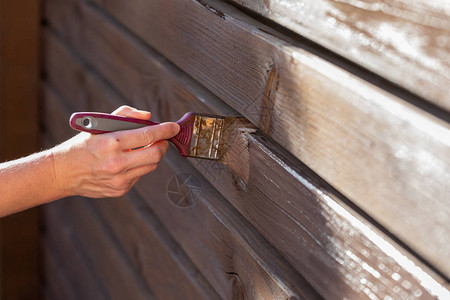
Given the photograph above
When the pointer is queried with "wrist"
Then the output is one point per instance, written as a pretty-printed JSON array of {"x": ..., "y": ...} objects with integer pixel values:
[{"x": 61, "y": 171}]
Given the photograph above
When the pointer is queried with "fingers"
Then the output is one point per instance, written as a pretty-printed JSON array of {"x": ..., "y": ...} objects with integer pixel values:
[
  {"x": 131, "y": 112},
  {"x": 145, "y": 136},
  {"x": 106, "y": 168},
  {"x": 131, "y": 139},
  {"x": 146, "y": 156}
]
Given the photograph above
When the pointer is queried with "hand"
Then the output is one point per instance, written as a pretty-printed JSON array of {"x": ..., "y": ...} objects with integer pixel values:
[{"x": 103, "y": 165}]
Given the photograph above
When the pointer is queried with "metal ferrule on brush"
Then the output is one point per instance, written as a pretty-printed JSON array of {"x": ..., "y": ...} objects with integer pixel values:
[{"x": 206, "y": 136}]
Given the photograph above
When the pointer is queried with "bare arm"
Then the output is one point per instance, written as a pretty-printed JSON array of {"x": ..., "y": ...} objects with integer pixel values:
[{"x": 88, "y": 165}]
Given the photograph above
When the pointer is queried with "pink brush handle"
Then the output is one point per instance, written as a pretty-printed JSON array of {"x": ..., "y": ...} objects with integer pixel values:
[{"x": 98, "y": 123}]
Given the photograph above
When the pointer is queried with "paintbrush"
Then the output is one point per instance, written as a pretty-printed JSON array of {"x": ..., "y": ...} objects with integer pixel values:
[{"x": 200, "y": 136}]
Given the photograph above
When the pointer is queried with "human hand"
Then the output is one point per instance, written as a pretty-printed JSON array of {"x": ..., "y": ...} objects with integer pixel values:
[{"x": 103, "y": 165}]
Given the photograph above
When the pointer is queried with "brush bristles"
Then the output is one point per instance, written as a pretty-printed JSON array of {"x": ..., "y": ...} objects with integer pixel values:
[
  {"x": 206, "y": 137},
  {"x": 214, "y": 137}
]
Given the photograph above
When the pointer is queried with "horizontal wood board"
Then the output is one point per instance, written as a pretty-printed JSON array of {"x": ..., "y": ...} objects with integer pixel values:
[
  {"x": 107, "y": 261},
  {"x": 404, "y": 41},
  {"x": 60, "y": 248},
  {"x": 279, "y": 281}
]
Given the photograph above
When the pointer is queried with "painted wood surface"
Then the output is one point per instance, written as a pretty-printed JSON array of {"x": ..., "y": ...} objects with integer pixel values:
[
  {"x": 161, "y": 261},
  {"x": 236, "y": 266},
  {"x": 104, "y": 257},
  {"x": 58, "y": 286},
  {"x": 290, "y": 207},
  {"x": 69, "y": 269},
  {"x": 386, "y": 155},
  {"x": 407, "y": 42}
]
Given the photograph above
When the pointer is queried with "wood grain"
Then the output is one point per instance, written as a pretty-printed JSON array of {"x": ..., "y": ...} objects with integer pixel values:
[
  {"x": 234, "y": 266},
  {"x": 386, "y": 155},
  {"x": 61, "y": 249},
  {"x": 235, "y": 257},
  {"x": 103, "y": 254},
  {"x": 78, "y": 90},
  {"x": 162, "y": 263},
  {"x": 57, "y": 285},
  {"x": 55, "y": 124},
  {"x": 404, "y": 41},
  {"x": 298, "y": 213}
]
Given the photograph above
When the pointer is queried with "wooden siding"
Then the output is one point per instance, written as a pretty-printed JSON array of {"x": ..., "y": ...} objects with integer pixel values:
[
  {"x": 403, "y": 41},
  {"x": 339, "y": 194}
]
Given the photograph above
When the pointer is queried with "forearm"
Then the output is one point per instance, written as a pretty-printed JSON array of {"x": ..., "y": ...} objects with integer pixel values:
[
  {"x": 28, "y": 182},
  {"x": 88, "y": 165}
]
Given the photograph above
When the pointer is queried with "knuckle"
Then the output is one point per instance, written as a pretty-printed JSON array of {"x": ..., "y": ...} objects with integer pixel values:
[
  {"x": 112, "y": 166},
  {"x": 156, "y": 155},
  {"x": 149, "y": 136},
  {"x": 116, "y": 193},
  {"x": 164, "y": 147},
  {"x": 109, "y": 143},
  {"x": 153, "y": 167},
  {"x": 118, "y": 183}
]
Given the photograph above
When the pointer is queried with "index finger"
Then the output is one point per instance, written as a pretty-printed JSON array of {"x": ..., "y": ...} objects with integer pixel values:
[{"x": 130, "y": 139}]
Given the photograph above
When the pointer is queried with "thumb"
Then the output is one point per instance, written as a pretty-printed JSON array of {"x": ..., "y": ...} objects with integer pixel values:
[{"x": 131, "y": 112}]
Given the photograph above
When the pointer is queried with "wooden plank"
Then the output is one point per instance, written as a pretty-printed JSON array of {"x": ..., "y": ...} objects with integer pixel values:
[
  {"x": 384, "y": 154},
  {"x": 160, "y": 261},
  {"x": 275, "y": 279},
  {"x": 296, "y": 211},
  {"x": 390, "y": 38},
  {"x": 104, "y": 256},
  {"x": 77, "y": 84},
  {"x": 56, "y": 283},
  {"x": 19, "y": 73},
  {"x": 54, "y": 124},
  {"x": 55, "y": 62},
  {"x": 58, "y": 240}
]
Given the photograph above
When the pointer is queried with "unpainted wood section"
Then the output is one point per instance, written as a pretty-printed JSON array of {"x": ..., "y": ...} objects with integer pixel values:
[
  {"x": 404, "y": 41},
  {"x": 61, "y": 248},
  {"x": 300, "y": 215},
  {"x": 386, "y": 155},
  {"x": 230, "y": 266},
  {"x": 107, "y": 262}
]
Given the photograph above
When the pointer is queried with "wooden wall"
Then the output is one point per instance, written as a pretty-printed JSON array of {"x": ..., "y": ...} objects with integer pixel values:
[
  {"x": 19, "y": 128},
  {"x": 342, "y": 193}
]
